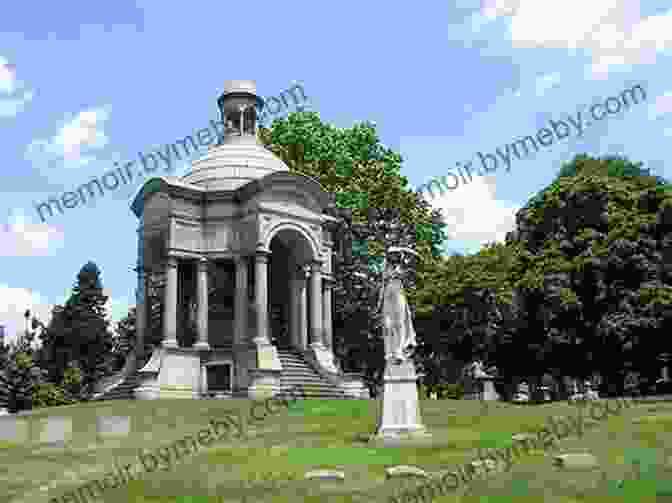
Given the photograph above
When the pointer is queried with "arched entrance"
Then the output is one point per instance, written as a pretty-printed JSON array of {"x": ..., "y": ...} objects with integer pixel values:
[{"x": 292, "y": 254}]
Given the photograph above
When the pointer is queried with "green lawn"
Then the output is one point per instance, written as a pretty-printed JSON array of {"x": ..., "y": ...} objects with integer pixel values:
[{"x": 270, "y": 463}]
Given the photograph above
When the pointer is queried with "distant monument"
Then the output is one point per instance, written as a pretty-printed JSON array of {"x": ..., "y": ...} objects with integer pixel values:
[
  {"x": 485, "y": 381},
  {"x": 400, "y": 419}
]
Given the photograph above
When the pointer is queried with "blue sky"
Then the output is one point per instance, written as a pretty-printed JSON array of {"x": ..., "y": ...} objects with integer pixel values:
[{"x": 82, "y": 87}]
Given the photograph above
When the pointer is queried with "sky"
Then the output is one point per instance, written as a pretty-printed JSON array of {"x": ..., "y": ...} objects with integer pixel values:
[{"x": 85, "y": 85}]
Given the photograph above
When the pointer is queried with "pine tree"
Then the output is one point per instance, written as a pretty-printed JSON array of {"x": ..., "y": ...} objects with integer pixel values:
[
  {"x": 19, "y": 374},
  {"x": 79, "y": 333}
]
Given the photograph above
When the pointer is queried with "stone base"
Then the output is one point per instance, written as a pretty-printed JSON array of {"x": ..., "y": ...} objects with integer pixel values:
[
  {"x": 178, "y": 392},
  {"x": 488, "y": 387},
  {"x": 180, "y": 374},
  {"x": 263, "y": 383},
  {"x": 147, "y": 391},
  {"x": 400, "y": 420},
  {"x": 417, "y": 438},
  {"x": 323, "y": 357},
  {"x": 267, "y": 358}
]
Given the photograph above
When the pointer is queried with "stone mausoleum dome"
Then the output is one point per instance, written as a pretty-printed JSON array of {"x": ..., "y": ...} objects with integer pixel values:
[{"x": 240, "y": 158}]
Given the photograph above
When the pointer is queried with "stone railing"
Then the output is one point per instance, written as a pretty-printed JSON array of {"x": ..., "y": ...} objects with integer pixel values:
[
  {"x": 353, "y": 385},
  {"x": 108, "y": 383},
  {"x": 149, "y": 376}
]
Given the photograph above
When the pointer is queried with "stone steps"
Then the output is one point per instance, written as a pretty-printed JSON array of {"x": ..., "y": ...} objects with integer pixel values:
[
  {"x": 297, "y": 373},
  {"x": 124, "y": 390}
]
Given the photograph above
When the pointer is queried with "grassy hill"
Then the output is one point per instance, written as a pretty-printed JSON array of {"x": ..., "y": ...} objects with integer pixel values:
[{"x": 269, "y": 463}]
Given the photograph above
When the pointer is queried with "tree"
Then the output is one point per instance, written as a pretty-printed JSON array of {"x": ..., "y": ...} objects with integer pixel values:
[
  {"x": 371, "y": 198},
  {"x": 466, "y": 311},
  {"x": 19, "y": 374},
  {"x": 124, "y": 338},
  {"x": 78, "y": 333},
  {"x": 593, "y": 273},
  {"x": 582, "y": 284}
]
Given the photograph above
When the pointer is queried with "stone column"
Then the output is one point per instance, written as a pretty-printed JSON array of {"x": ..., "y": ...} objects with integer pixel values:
[
  {"x": 261, "y": 297},
  {"x": 294, "y": 311},
  {"x": 303, "y": 310},
  {"x": 170, "y": 305},
  {"x": 204, "y": 381},
  {"x": 241, "y": 340},
  {"x": 202, "y": 301},
  {"x": 140, "y": 315},
  {"x": 241, "y": 303},
  {"x": 326, "y": 313},
  {"x": 316, "y": 335}
]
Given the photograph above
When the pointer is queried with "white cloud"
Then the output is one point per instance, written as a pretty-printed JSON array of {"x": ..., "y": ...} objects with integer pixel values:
[
  {"x": 13, "y": 305},
  {"x": 472, "y": 212},
  {"x": 611, "y": 31},
  {"x": 21, "y": 239},
  {"x": 491, "y": 9},
  {"x": 83, "y": 133}
]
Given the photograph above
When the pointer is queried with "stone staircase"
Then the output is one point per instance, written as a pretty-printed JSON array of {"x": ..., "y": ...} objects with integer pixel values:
[
  {"x": 124, "y": 390},
  {"x": 297, "y": 373}
]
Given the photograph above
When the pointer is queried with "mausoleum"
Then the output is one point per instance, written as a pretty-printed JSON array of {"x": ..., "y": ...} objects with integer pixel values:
[{"x": 240, "y": 253}]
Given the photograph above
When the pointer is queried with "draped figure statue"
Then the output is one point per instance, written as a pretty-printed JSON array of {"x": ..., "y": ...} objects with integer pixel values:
[{"x": 398, "y": 330}]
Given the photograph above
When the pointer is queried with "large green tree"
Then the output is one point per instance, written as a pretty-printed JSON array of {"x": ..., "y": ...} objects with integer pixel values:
[
  {"x": 467, "y": 311},
  {"x": 78, "y": 333},
  {"x": 377, "y": 210},
  {"x": 20, "y": 376},
  {"x": 583, "y": 284},
  {"x": 593, "y": 276}
]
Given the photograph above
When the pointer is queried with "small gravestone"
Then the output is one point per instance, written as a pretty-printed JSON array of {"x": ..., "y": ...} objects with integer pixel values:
[
  {"x": 523, "y": 393},
  {"x": 402, "y": 471},
  {"x": 113, "y": 426},
  {"x": 54, "y": 430},
  {"x": 576, "y": 461},
  {"x": 325, "y": 476},
  {"x": 522, "y": 437},
  {"x": 13, "y": 429}
]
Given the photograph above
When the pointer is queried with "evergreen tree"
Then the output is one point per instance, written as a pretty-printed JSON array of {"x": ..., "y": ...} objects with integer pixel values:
[
  {"x": 78, "y": 333},
  {"x": 19, "y": 374}
]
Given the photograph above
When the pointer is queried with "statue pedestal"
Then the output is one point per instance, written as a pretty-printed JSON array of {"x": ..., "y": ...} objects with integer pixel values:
[
  {"x": 400, "y": 421},
  {"x": 487, "y": 385}
]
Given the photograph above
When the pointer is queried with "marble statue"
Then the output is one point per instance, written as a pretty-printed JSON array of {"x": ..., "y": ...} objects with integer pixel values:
[
  {"x": 400, "y": 420},
  {"x": 398, "y": 331}
]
